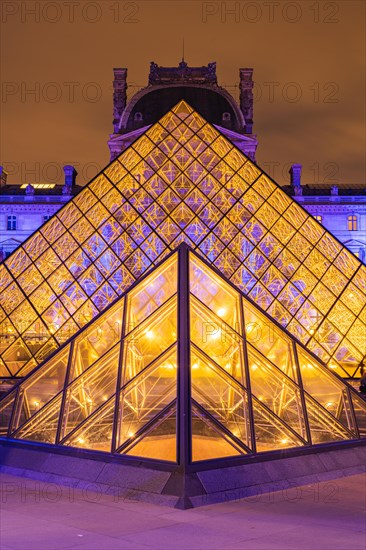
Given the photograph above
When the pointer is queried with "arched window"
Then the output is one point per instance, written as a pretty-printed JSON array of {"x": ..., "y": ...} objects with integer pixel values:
[
  {"x": 226, "y": 117},
  {"x": 138, "y": 117},
  {"x": 352, "y": 223}
]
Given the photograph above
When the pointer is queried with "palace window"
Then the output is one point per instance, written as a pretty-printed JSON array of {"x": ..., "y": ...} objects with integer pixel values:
[
  {"x": 12, "y": 223},
  {"x": 352, "y": 223}
]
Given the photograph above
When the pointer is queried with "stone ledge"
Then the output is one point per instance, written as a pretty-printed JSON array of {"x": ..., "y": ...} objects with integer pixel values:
[{"x": 143, "y": 483}]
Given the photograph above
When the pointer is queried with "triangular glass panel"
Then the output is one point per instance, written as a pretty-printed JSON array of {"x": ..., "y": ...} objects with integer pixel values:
[
  {"x": 220, "y": 395},
  {"x": 359, "y": 407},
  {"x": 6, "y": 409},
  {"x": 43, "y": 425},
  {"x": 216, "y": 339},
  {"x": 324, "y": 427},
  {"x": 151, "y": 293},
  {"x": 209, "y": 441},
  {"x": 96, "y": 432},
  {"x": 4, "y": 372},
  {"x": 215, "y": 293},
  {"x": 96, "y": 340},
  {"x": 326, "y": 389},
  {"x": 271, "y": 434},
  {"x": 159, "y": 442},
  {"x": 90, "y": 390},
  {"x": 147, "y": 395},
  {"x": 269, "y": 340},
  {"x": 149, "y": 339},
  {"x": 40, "y": 387},
  {"x": 278, "y": 392}
]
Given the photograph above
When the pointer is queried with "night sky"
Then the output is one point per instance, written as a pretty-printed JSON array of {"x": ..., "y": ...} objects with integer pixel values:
[{"x": 309, "y": 68}]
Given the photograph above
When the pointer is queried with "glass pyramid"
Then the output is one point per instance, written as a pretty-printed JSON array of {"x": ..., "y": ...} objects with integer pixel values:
[
  {"x": 181, "y": 181},
  {"x": 183, "y": 368}
]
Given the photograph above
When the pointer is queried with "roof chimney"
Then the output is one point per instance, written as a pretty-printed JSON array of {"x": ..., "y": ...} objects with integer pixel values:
[
  {"x": 70, "y": 175},
  {"x": 119, "y": 96},
  {"x": 3, "y": 176},
  {"x": 295, "y": 175},
  {"x": 246, "y": 97}
]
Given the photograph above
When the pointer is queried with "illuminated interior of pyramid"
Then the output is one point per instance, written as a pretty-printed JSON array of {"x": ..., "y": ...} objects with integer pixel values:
[
  {"x": 122, "y": 383},
  {"x": 182, "y": 181}
]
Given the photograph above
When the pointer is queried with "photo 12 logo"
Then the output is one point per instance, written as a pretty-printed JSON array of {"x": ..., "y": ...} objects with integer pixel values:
[
  {"x": 270, "y": 12},
  {"x": 70, "y": 11}
]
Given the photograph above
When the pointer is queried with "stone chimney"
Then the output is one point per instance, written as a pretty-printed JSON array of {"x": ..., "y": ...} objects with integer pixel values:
[
  {"x": 3, "y": 176},
  {"x": 246, "y": 97},
  {"x": 295, "y": 175},
  {"x": 295, "y": 179},
  {"x": 119, "y": 96},
  {"x": 70, "y": 179}
]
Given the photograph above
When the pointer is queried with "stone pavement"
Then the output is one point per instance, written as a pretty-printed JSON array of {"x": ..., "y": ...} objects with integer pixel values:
[{"x": 46, "y": 516}]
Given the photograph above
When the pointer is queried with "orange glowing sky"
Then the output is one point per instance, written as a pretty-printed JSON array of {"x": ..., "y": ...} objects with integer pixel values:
[{"x": 312, "y": 55}]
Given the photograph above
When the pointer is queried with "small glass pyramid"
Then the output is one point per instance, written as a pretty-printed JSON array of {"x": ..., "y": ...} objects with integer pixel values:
[{"x": 183, "y": 367}]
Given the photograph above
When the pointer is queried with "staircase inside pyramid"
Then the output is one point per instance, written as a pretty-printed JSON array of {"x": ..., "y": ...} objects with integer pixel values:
[
  {"x": 181, "y": 181},
  {"x": 246, "y": 385}
]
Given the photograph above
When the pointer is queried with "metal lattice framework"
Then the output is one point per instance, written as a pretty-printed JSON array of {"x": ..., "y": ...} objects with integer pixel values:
[
  {"x": 245, "y": 385},
  {"x": 181, "y": 181}
]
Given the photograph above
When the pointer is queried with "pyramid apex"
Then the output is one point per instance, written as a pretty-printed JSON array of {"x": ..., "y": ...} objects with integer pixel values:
[{"x": 182, "y": 109}]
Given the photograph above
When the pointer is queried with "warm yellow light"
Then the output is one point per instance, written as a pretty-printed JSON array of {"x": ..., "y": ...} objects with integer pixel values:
[
  {"x": 221, "y": 311},
  {"x": 149, "y": 334},
  {"x": 330, "y": 404},
  {"x": 311, "y": 331},
  {"x": 284, "y": 441},
  {"x": 81, "y": 440},
  {"x": 36, "y": 403},
  {"x": 54, "y": 327},
  {"x": 254, "y": 366},
  {"x": 131, "y": 434},
  {"x": 195, "y": 366},
  {"x": 89, "y": 400},
  {"x": 215, "y": 335}
]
